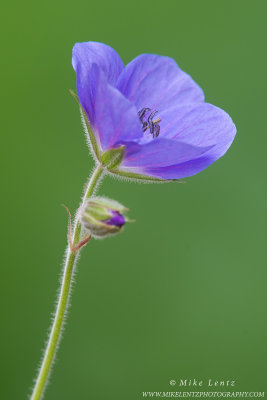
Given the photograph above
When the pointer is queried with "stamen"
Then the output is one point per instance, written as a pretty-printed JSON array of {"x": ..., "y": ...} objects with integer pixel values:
[
  {"x": 150, "y": 124},
  {"x": 151, "y": 116},
  {"x": 142, "y": 113}
]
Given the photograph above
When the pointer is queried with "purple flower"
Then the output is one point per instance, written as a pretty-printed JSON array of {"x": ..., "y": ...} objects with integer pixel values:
[{"x": 151, "y": 108}]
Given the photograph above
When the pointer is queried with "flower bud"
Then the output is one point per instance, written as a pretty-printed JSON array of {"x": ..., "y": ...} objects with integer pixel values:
[{"x": 102, "y": 216}]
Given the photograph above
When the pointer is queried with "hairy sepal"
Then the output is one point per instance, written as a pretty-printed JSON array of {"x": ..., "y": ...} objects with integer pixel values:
[
  {"x": 112, "y": 158},
  {"x": 88, "y": 128},
  {"x": 140, "y": 178}
]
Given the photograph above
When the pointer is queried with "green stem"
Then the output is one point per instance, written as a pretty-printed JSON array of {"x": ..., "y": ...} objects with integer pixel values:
[{"x": 57, "y": 326}]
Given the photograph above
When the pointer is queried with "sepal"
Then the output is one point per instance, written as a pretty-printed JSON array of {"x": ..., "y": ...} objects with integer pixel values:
[
  {"x": 112, "y": 158},
  {"x": 140, "y": 177},
  {"x": 87, "y": 128}
]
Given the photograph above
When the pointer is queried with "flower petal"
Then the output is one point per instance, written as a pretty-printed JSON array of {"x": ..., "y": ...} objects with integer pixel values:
[
  {"x": 159, "y": 153},
  {"x": 158, "y": 83},
  {"x": 114, "y": 119},
  {"x": 180, "y": 171},
  {"x": 89, "y": 53},
  {"x": 199, "y": 125},
  {"x": 84, "y": 55}
]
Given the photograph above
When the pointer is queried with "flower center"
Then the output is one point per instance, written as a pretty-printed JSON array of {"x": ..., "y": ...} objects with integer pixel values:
[{"x": 149, "y": 123}]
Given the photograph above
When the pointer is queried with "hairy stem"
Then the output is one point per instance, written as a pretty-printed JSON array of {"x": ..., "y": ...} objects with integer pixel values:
[{"x": 64, "y": 295}]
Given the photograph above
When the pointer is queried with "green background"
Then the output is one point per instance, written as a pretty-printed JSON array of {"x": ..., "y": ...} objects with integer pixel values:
[{"x": 182, "y": 292}]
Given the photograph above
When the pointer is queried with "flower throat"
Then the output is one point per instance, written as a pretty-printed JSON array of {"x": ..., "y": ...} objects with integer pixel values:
[{"x": 150, "y": 124}]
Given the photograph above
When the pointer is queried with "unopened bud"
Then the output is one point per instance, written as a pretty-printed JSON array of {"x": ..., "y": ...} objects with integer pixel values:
[{"x": 102, "y": 216}]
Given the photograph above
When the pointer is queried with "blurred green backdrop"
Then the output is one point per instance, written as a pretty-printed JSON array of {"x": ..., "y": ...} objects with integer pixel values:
[{"x": 182, "y": 293}]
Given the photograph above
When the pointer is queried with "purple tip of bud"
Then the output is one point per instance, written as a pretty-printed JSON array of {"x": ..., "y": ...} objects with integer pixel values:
[{"x": 117, "y": 219}]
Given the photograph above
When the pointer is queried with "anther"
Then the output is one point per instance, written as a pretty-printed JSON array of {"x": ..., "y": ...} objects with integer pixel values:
[
  {"x": 150, "y": 124},
  {"x": 142, "y": 113}
]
